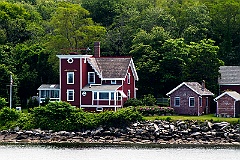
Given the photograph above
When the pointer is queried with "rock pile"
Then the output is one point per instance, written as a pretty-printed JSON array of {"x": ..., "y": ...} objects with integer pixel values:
[{"x": 147, "y": 132}]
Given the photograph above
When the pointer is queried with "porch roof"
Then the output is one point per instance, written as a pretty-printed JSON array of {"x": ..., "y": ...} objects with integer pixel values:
[
  {"x": 101, "y": 87},
  {"x": 49, "y": 87}
]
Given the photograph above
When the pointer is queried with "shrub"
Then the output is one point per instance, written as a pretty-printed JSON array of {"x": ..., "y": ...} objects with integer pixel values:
[
  {"x": 133, "y": 102},
  {"x": 155, "y": 110},
  {"x": 25, "y": 121},
  {"x": 149, "y": 100},
  {"x": 3, "y": 103},
  {"x": 121, "y": 118},
  {"x": 55, "y": 116},
  {"x": 8, "y": 117}
]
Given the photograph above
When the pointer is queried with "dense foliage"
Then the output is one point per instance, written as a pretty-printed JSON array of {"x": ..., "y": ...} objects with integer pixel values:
[
  {"x": 59, "y": 116},
  {"x": 155, "y": 110},
  {"x": 170, "y": 40},
  {"x": 62, "y": 116}
]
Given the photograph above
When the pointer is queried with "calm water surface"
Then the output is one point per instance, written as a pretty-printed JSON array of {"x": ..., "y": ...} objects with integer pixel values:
[{"x": 112, "y": 152}]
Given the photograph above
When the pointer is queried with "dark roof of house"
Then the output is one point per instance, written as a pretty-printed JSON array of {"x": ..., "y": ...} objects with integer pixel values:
[
  {"x": 111, "y": 67},
  {"x": 49, "y": 87},
  {"x": 229, "y": 75},
  {"x": 194, "y": 86},
  {"x": 232, "y": 94}
]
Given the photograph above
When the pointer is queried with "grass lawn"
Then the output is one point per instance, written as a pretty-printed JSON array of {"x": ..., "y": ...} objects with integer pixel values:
[{"x": 209, "y": 117}]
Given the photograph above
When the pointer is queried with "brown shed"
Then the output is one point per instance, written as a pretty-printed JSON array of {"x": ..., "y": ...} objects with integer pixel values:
[
  {"x": 228, "y": 104},
  {"x": 190, "y": 98}
]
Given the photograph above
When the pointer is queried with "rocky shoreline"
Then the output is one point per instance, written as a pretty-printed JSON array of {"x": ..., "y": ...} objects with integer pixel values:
[{"x": 146, "y": 132}]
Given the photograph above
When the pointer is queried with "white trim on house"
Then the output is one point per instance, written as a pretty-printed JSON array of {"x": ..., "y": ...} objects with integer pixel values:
[
  {"x": 230, "y": 84},
  {"x": 73, "y": 56},
  {"x": 60, "y": 78},
  {"x": 234, "y": 107},
  {"x": 134, "y": 70},
  {"x": 103, "y": 106},
  {"x": 107, "y": 79}
]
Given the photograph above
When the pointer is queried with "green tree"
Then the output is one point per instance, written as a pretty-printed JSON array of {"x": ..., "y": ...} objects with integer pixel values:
[
  {"x": 3, "y": 103},
  {"x": 225, "y": 25},
  {"x": 103, "y": 11},
  {"x": 33, "y": 69},
  {"x": 72, "y": 28},
  {"x": 18, "y": 24},
  {"x": 203, "y": 64},
  {"x": 147, "y": 53}
]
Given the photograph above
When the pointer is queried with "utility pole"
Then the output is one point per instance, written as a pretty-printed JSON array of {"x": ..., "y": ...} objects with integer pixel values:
[{"x": 10, "y": 95}]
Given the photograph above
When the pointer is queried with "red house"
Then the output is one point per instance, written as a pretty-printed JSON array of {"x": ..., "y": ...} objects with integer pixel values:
[
  {"x": 228, "y": 104},
  {"x": 190, "y": 98},
  {"x": 96, "y": 83}
]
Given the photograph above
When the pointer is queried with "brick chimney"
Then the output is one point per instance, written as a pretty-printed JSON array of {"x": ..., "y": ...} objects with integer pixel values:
[
  {"x": 203, "y": 85},
  {"x": 96, "y": 49}
]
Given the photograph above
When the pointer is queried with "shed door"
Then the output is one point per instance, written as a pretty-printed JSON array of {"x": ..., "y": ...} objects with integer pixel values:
[{"x": 237, "y": 109}]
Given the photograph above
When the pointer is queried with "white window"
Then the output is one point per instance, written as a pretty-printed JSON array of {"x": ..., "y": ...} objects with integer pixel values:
[
  {"x": 70, "y": 77},
  {"x": 206, "y": 101},
  {"x": 191, "y": 102},
  {"x": 91, "y": 77},
  {"x": 112, "y": 95},
  {"x": 104, "y": 95},
  {"x": 177, "y": 101},
  {"x": 128, "y": 78},
  {"x": 113, "y": 82},
  {"x": 200, "y": 101},
  {"x": 70, "y": 95},
  {"x": 128, "y": 94},
  {"x": 95, "y": 95},
  {"x": 119, "y": 97}
]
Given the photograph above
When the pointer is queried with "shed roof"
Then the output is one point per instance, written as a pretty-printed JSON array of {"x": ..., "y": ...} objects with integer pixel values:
[
  {"x": 229, "y": 75},
  {"x": 195, "y": 87},
  {"x": 232, "y": 94}
]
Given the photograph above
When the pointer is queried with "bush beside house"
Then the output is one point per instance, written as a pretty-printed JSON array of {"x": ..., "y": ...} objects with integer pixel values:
[{"x": 155, "y": 110}]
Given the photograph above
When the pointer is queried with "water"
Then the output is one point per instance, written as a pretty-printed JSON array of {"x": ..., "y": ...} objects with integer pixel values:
[{"x": 115, "y": 152}]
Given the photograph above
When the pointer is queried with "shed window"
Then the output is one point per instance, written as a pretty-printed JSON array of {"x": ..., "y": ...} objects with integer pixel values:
[
  {"x": 177, "y": 101},
  {"x": 191, "y": 101}
]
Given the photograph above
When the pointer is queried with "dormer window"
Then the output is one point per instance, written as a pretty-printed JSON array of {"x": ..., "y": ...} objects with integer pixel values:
[
  {"x": 113, "y": 82},
  {"x": 91, "y": 77},
  {"x": 128, "y": 78},
  {"x": 128, "y": 94},
  {"x": 70, "y": 77}
]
